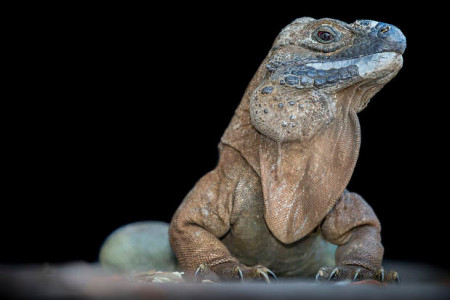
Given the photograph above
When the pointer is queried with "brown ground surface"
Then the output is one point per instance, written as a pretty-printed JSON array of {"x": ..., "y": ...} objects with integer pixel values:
[{"x": 83, "y": 280}]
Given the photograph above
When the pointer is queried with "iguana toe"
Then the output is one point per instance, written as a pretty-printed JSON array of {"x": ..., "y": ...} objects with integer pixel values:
[
  {"x": 355, "y": 273},
  {"x": 393, "y": 277},
  {"x": 233, "y": 271},
  {"x": 262, "y": 272},
  {"x": 204, "y": 274},
  {"x": 238, "y": 272}
]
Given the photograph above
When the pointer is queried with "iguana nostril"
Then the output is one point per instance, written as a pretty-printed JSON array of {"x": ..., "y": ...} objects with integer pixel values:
[
  {"x": 392, "y": 37},
  {"x": 383, "y": 31}
]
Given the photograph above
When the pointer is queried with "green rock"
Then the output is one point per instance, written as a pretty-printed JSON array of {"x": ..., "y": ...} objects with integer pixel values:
[{"x": 140, "y": 246}]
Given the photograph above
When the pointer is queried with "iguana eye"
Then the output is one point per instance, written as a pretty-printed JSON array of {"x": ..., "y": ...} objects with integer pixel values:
[{"x": 324, "y": 35}]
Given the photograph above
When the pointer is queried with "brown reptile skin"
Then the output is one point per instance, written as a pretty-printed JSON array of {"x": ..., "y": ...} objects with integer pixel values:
[{"x": 280, "y": 203}]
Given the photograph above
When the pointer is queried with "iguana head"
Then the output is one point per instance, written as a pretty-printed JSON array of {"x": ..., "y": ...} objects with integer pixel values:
[{"x": 318, "y": 68}]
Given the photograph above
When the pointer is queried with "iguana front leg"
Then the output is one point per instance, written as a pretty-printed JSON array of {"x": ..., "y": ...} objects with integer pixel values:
[
  {"x": 354, "y": 227},
  {"x": 203, "y": 218}
]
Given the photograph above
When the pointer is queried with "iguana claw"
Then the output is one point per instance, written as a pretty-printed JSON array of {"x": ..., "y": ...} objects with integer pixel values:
[
  {"x": 272, "y": 274},
  {"x": 233, "y": 271},
  {"x": 380, "y": 275},
  {"x": 204, "y": 274},
  {"x": 393, "y": 276},
  {"x": 237, "y": 271},
  {"x": 334, "y": 274},
  {"x": 355, "y": 277},
  {"x": 264, "y": 273},
  {"x": 202, "y": 268},
  {"x": 355, "y": 273}
]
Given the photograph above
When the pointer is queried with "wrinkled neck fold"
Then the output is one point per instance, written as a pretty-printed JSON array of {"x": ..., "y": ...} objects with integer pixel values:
[{"x": 301, "y": 182}]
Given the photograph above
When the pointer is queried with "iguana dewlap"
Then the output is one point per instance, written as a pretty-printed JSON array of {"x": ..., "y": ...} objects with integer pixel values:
[{"x": 277, "y": 198}]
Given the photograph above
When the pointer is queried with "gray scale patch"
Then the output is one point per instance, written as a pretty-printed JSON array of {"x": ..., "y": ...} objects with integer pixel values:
[
  {"x": 298, "y": 72},
  {"x": 301, "y": 76},
  {"x": 306, "y": 81},
  {"x": 311, "y": 74},
  {"x": 321, "y": 73},
  {"x": 267, "y": 90},
  {"x": 344, "y": 73},
  {"x": 333, "y": 78},
  {"x": 353, "y": 70},
  {"x": 319, "y": 81},
  {"x": 271, "y": 67},
  {"x": 291, "y": 80}
]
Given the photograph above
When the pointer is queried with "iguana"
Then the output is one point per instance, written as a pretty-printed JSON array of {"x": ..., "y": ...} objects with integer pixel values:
[{"x": 277, "y": 204}]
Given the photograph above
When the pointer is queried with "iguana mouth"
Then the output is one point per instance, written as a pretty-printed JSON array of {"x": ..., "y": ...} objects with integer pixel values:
[
  {"x": 326, "y": 73},
  {"x": 365, "y": 64},
  {"x": 307, "y": 75}
]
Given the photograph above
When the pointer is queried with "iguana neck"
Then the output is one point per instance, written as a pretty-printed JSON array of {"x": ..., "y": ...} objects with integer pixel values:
[{"x": 302, "y": 181}]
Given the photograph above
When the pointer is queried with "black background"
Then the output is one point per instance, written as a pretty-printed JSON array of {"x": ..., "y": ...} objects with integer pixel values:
[{"x": 113, "y": 113}]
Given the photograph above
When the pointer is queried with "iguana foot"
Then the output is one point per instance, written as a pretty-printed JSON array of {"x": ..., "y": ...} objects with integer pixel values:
[
  {"x": 233, "y": 271},
  {"x": 355, "y": 273}
]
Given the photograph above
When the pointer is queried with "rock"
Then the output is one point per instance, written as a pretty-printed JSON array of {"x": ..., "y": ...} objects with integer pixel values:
[{"x": 140, "y": 246}]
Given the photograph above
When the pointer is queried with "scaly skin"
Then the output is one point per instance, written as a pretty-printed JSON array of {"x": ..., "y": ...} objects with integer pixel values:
[{"x": 276, "y": 202}]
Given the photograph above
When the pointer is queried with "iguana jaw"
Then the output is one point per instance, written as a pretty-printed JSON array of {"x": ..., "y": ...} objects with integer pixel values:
[
  {"x": 334, "y": 75},
  {"x": 367, "y": 68},
  {"x": 367, "y": 64},
  {"x": 374, "y": 72},
  {"x": 287, "y": 113}
]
